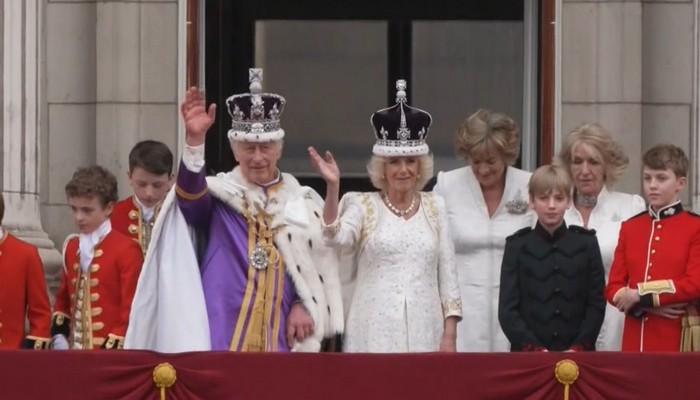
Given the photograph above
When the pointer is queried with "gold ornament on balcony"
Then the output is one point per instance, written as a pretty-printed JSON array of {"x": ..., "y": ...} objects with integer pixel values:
[
  {"x": 566, "y": 372},
  {"x": 164, "y": 376}
]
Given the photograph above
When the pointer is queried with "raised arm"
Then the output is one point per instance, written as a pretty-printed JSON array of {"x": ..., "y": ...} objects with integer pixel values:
[
  {"x": 328, "y": 169},
  {"x": 192, "y": 193},
  {"x": 343, "y": 230}
]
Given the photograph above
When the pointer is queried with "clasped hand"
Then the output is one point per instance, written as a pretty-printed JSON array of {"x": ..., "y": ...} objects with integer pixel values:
[{"x": 299, "y": 324}]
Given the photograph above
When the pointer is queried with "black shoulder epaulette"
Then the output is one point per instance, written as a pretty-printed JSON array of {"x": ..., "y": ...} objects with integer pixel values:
[
  {"x": 638, "y": 215},
  {"x": 521, "y": 232},
  {"x": 580, "y": 229}
]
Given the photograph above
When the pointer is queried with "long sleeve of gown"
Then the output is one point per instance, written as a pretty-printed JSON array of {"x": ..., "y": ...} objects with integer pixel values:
[
  {"x": 346, "y": 230},
  {"x": 447, "y": 270}
]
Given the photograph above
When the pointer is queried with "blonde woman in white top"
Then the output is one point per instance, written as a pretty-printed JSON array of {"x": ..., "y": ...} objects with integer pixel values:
[
  {"x": 486, "y": 201},
  {"x": 596, "y": 162},
  {"x": 405, "y": 296}
]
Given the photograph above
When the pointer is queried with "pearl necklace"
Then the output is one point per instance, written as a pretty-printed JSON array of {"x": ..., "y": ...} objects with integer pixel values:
[{"x": 395, "y": 210}]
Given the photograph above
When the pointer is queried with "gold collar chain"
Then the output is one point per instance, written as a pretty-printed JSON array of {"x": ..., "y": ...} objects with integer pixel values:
[{"x": 261, "y": 246}]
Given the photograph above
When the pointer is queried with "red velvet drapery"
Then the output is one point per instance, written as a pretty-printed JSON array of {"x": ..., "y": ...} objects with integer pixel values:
[{"x": 129, "y": 375}]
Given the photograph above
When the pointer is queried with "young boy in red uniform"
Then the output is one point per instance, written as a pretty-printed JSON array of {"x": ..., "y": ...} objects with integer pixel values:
[
  {"x": 100, "y": 271},
  {"x": 150, "y": 178},
  {"x": 22, "y": 294},
  {"x": 656, "y": 268}
]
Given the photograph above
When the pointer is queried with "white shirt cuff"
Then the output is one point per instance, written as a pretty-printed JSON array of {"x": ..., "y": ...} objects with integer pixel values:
[{"x": 193, "y": 158}]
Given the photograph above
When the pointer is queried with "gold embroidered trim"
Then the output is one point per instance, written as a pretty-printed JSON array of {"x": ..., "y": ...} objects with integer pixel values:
[
  {"x": 39, "y": 343},
  {"x": 190, "y": 196},
  {"x": 59, "y": 318},
  {"x": 370, "y": 217},
  {"x": 431, "y": 210},
  {"x": 656, "y": 287},
  {"x": 114, "y": 341},
  {"x": 451, "y": 307}
]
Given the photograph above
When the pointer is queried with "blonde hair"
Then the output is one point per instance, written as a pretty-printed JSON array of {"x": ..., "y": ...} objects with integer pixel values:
[
  {"x": 375, "y": 168},
  {"x": 613, "y": 157},
  {"x": 485, "y": 131},
  {"x": 550, "y": 177},
  {"x": 663, "y": 156}
]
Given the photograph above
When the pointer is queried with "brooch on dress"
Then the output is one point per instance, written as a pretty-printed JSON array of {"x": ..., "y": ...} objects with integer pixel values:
[{"x": 517, "y": 205}]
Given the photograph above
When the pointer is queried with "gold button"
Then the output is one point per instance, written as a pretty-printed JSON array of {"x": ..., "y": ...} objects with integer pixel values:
[
  {"x": 646, "y": 318},
  {"x": 133, "y": 214},
  {"x": 658, "y": 226},
  {"x": 657, "y": 238},
  {"x": 649, "y": 265},
  {"x": 653, "y": 251},
  {"x": 648, "y": 277}
]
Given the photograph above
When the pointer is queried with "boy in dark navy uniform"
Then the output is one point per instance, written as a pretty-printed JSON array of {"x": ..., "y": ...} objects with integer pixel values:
[{"x": 552, "y": 277}]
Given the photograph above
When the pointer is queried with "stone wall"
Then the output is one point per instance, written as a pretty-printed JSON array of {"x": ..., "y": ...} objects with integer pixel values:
[{"x": 629, "y": 66}]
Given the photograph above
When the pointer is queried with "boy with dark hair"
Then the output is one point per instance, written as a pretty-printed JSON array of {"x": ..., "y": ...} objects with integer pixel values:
[
  {"x": 23, "y": 294},
  {"x": 100, "y": 268},
  {"x": 150, "y": 178},
  {"x": 552, "y": 277},
  {"x": 656, "y": 268}
]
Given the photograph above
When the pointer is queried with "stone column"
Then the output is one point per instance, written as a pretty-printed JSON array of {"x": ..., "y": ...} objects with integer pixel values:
[
  {"x": 602, "y": 73},
  {"x": 22, "y": 92},
  {"x": 668, "y": 86},
  {"x": 136, "y": 80}
]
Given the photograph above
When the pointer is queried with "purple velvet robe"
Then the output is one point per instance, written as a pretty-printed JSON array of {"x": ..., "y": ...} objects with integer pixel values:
[{"x": 231, "y": 287}]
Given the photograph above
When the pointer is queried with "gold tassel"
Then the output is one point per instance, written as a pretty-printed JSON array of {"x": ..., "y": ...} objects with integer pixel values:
[
  {"x": 164, "y": 376},
  {"x": 566, "y": 372},
  {"x": 690, "y": 334}
]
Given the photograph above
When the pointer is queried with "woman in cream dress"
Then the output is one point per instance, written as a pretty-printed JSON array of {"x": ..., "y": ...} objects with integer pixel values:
[
  {"x": 486, "y": 201},
  {"x": 405, "y": 295},
  {"x": 596, "y": 162}
]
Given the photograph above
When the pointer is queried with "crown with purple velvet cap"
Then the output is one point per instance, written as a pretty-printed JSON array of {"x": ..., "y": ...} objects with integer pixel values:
[
  {"x": 255, "y": 116},
  {"x": 401, "y": 130}
]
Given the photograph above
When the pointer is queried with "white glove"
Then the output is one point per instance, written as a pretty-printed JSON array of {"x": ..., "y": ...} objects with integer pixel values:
[{"x": 59, "y": 342}]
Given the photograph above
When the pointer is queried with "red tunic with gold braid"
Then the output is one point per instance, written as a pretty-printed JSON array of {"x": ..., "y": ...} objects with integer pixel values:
[
  {"x": 659, "y": 256},
  {"x": 92, "y": 308},
  {"x": 127, "y": 219},
  {"x": 22, "y": 296}
]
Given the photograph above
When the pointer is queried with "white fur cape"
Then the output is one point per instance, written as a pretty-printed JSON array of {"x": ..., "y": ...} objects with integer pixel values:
[{"x": 168, "y": 313}]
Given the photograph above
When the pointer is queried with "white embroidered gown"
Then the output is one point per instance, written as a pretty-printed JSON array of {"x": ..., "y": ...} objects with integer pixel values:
[{"x": 406, "y": 283}]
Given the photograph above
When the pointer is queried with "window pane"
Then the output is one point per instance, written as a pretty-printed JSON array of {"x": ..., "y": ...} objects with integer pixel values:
[
  {"x": 332, "y": 74},
  {"x": 460, "y": 66}
]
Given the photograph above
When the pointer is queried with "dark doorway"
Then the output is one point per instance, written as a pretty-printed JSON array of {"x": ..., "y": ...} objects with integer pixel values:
[{"x": 232, "y": 26}]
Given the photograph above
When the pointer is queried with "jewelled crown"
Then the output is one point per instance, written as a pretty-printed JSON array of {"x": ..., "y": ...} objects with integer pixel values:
[
  {"x": 255, "y": 115},
  {"x": 401, "y": 130}
]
